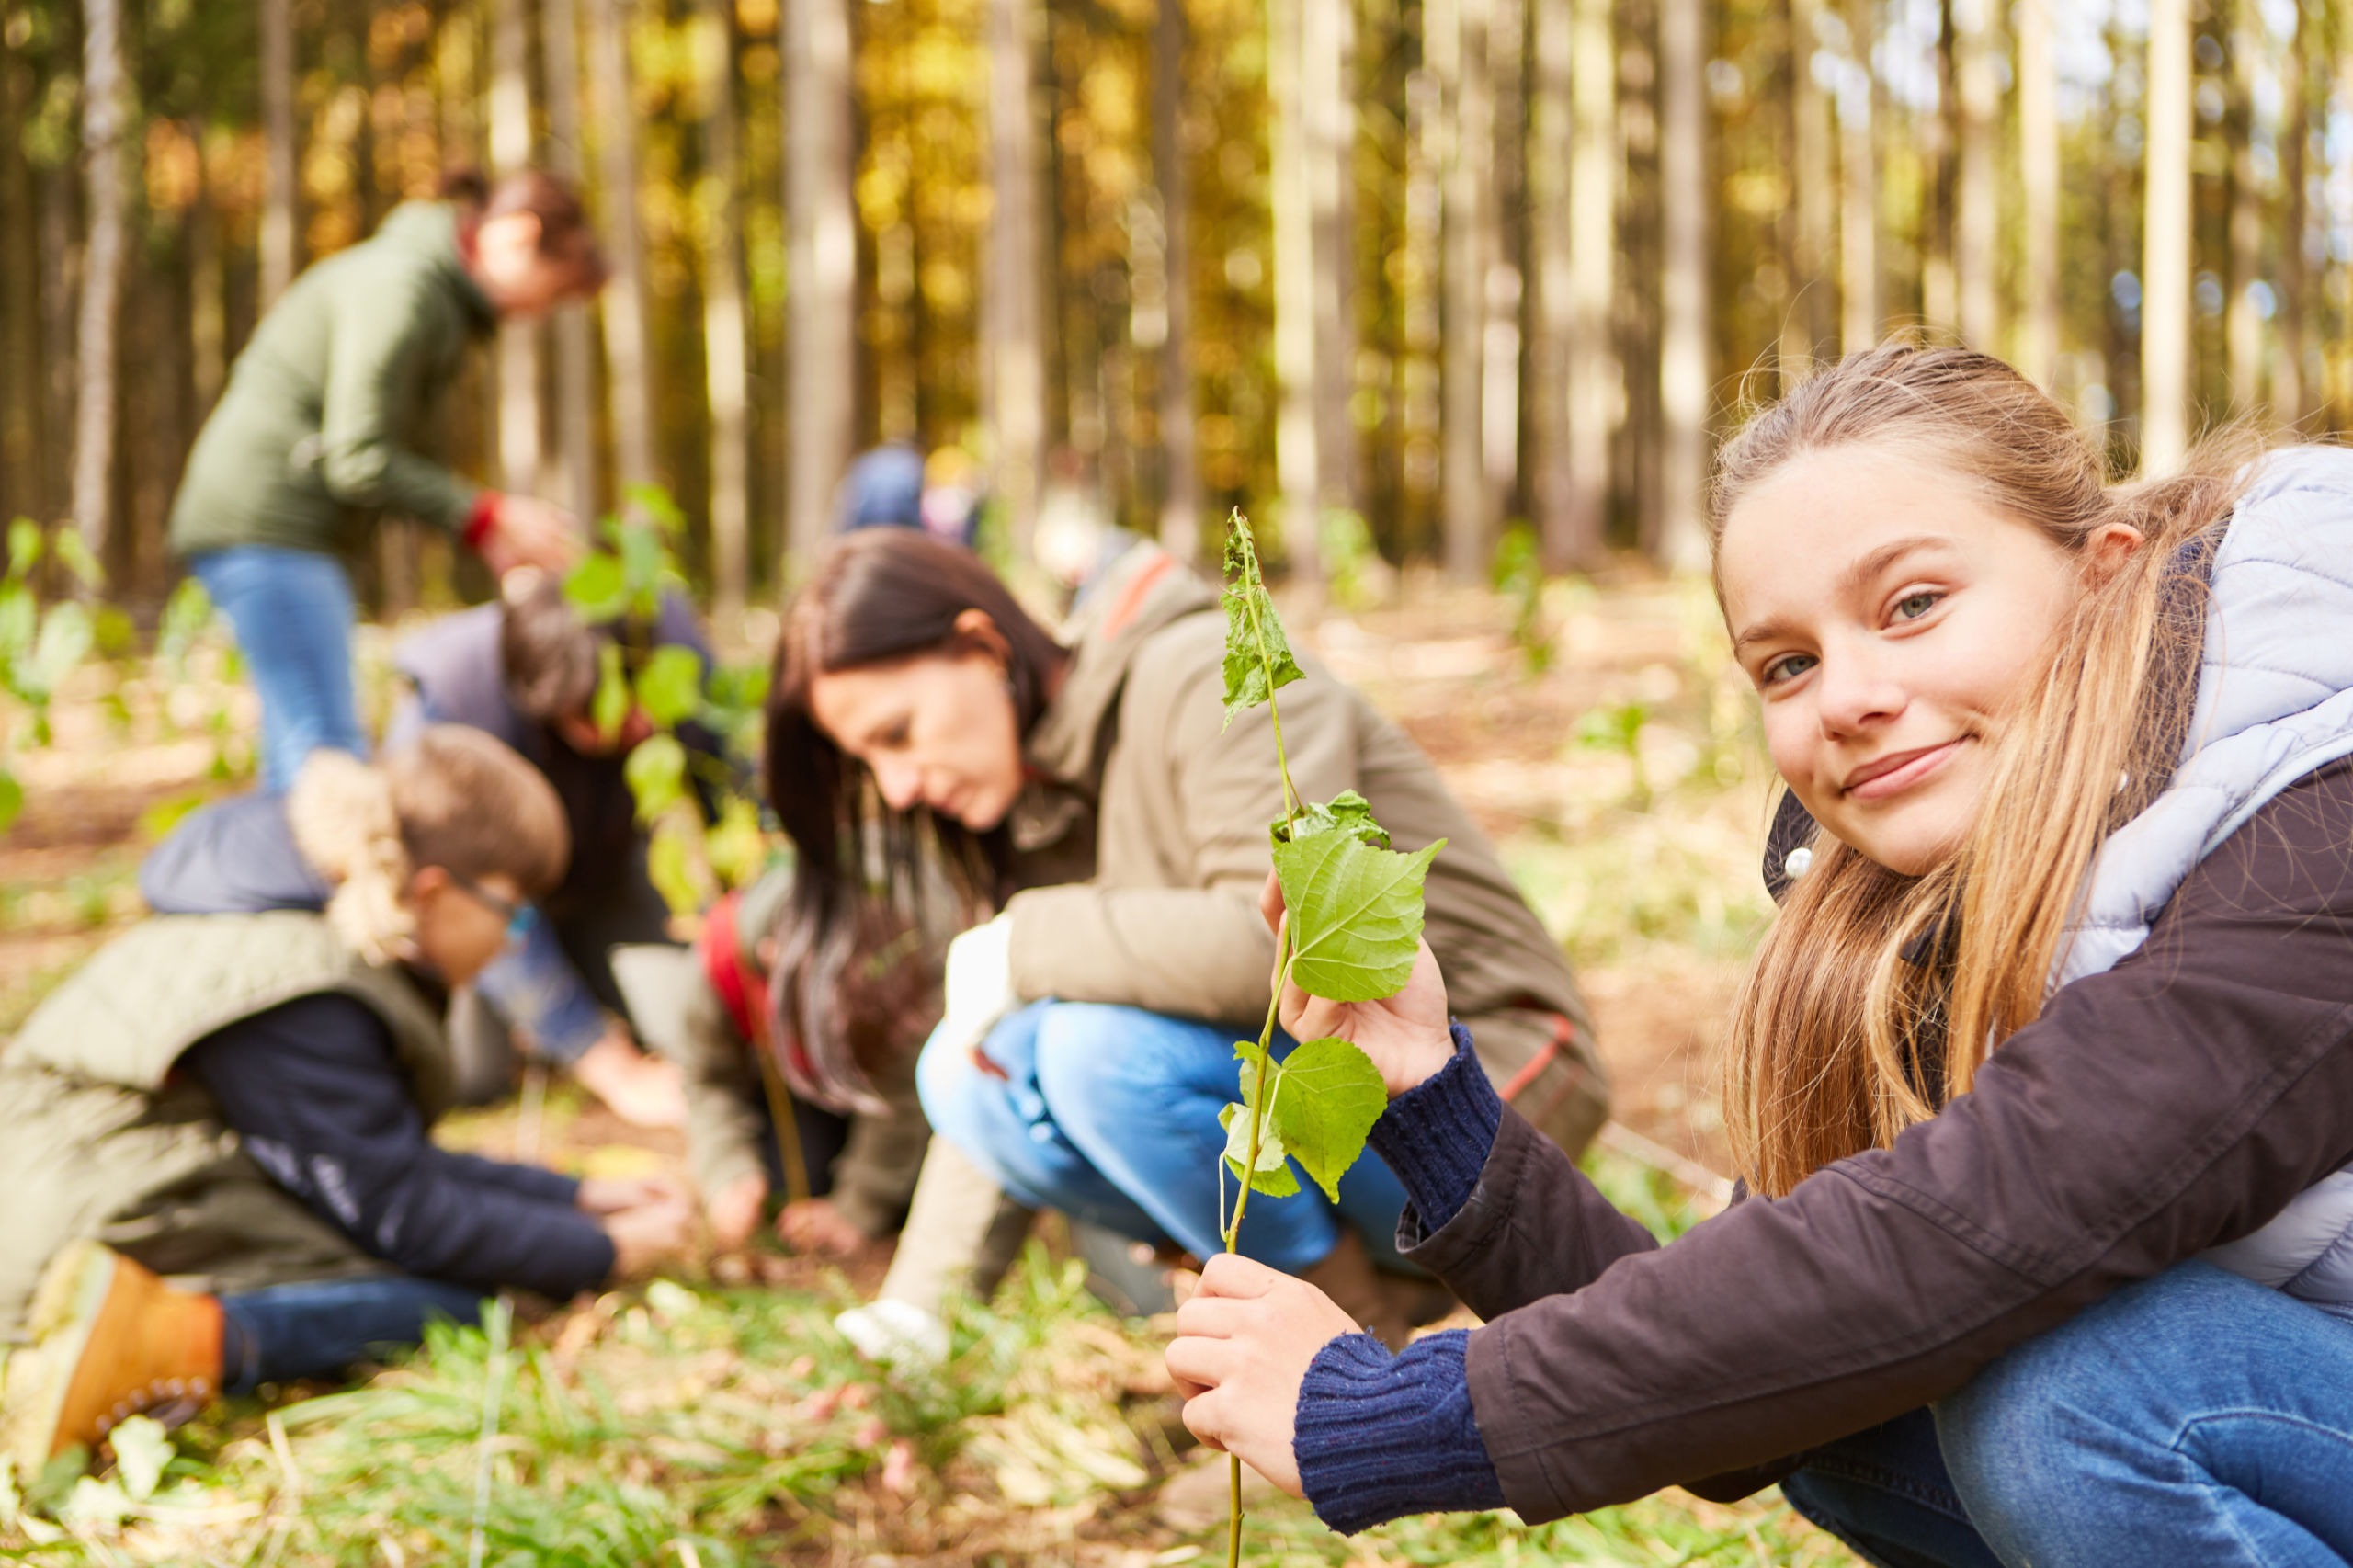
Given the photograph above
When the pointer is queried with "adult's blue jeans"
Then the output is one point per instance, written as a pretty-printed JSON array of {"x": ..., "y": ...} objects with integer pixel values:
[
  {"x": 292, "y": 613},
  {"x": 1110, "y": 1115},
  {"x": 319, "y": 1327},
  {"x": 2193, "y": 1418}
]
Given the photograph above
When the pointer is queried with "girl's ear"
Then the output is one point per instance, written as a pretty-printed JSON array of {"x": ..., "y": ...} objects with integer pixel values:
[
  {"x": 975, "y": 625},
  {"x": 424, "y": 885},
  {"x": 2109, "y": 547}
]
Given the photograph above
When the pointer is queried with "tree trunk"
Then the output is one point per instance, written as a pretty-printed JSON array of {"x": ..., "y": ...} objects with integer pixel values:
[
  {"x": 575, "y": 482},
  {"x": 2037, "y": 336},
  {"x": 277, "y": 238},
  {"x": 103, "y": 109},
  {"x": 1815, "y": 206},
  {"x": 1328, "y": 71},
  {"x": 1597, "y": 384},
  {"x": 1552, "y": 228},
  {"x": 1298, "y": 463},
  {"x": 2287, "y": 379},
  {"x": 2166, "y": 221},
  {"x": 1014, "y": 349},
  {"x": 1679, "y": 537},
  {"x": 1457, "y": 51},
  {"x": 1978, "y": 225},
  {"x": 1503, "y": 289},
  {"x": 60, "y": 265},
  {"x": 2242, "y": 324},
  {"x": 1858, "y": 96},
  {"x": 24, "y": 454},
  {"x": 519, "y": 339},
  {"x": 627, "y": 353},
  {"x": 1180, "y": 501},
  {"x": 723, "y": 319},
  {"x": 1939, "y": 297}
]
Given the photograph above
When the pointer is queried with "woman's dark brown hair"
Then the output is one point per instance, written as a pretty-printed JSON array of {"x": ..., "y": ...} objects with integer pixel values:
[
  {"x": 565, "y": 237},
  {"x": 880, "y": 597}
]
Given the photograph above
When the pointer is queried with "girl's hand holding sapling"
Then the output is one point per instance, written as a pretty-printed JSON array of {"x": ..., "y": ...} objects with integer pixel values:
[
  {"x": 1406, "y": 1035},
  {"x": 1243, "y": 1344}
]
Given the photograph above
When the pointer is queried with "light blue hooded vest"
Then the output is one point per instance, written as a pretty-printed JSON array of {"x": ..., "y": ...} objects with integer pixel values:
[{"x": 2275, "y": 703}]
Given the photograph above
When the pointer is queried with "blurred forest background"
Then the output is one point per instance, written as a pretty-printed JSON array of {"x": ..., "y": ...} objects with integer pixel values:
[{"x": 1391, "y": 274}]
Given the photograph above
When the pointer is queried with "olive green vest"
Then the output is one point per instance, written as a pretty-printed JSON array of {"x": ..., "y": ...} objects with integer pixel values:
[{"x": 98, "y": 1140}]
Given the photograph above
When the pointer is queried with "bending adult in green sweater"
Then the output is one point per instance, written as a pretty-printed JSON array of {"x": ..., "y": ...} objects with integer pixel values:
[{"x": 322, "y": 425}]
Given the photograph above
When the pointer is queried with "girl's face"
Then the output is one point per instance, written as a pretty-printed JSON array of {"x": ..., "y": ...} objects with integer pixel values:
[
  {"x": 520, "y": 281},
  {"x": 461, "y": 925},
  {"x": 938, "y": 730},
  {"x": 1889, "y": 617}
]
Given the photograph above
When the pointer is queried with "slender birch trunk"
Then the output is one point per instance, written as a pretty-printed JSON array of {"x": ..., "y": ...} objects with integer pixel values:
[
  {"x": 627, "y": 353},
  {"x": 2288, "y": 382},
  {"x": 1328, "y": 71},
  {"x": 1015, "y": 350},
  {"x": 2037, "y": 336},
  {"x": 1977, "y": 210},
  {"x": 725, "y": 375},
  {"x": 1679, "y": 537},
  {"x": 1815, "y": 204},
  {"x": 518, "y": 340},
  {"x": 1859, "y": 288},
  {"x": 1298, "y": 461},
  {"x": 2166, "y": 245},
  {"x": 277, "y": 238},
  {"x": 1596, "y": 174},
  {"x": 1180, "y": 504},
  {"x": 103, "y": 111},
  {"x": 1552, "y": 309},
  {"x": 575, "y": 459},
  {"x": 2242, "y": 323},
  {"x": 1458, "y": 50}
]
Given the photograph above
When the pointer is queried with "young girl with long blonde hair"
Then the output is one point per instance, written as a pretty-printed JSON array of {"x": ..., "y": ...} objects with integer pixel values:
[{"x": 2056, "y": 1019}]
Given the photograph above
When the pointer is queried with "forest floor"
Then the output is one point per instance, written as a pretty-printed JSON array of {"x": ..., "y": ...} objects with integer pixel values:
[{"x": 715, "y": 1417}]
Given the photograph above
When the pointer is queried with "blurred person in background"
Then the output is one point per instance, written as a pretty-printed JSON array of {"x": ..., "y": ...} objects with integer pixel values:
[
  {"x": 214, "y": 1135},
  {"x": 324, "y": 425}
]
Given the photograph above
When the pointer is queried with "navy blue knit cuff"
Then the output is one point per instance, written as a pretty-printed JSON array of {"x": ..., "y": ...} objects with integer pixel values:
[
  {"x": 1435, "y": 1137},
  {"x": 1377, "y": 1437}
]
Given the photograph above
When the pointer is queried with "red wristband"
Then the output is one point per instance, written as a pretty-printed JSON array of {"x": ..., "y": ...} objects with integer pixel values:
[{"x": 480, "y": 519}]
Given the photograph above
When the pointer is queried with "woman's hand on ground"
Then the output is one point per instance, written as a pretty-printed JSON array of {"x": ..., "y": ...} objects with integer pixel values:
[
  {"x": 1243, "y": 1344},
  {"x": 733, "y": 1211},
  {"x": 530, "y": 532},
  {"x": 1406, "y": 1035},
  {"x": 646, "y": 1234},
  {"x": 815, "y": 1227}
]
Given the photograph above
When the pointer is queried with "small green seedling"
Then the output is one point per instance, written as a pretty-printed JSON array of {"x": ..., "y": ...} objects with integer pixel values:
[{"x": 1351, "y": 928}]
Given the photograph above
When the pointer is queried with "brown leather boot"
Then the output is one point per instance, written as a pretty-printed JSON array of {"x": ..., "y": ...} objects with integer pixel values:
[
  {"x": 1347, "y": 1275},
  {"x": 109, "y": 1341}
]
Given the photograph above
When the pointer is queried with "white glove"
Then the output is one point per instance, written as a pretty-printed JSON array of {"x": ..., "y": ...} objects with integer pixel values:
[
  {"x": 895, "y": 1333},
  {"x": 978, "y": 988}
]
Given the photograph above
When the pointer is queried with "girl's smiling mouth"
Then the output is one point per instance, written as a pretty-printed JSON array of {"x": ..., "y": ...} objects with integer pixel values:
[{"x": 1898, "y": 771}]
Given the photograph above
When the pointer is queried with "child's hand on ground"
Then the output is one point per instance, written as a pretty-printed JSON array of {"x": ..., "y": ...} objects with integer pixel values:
[
  {"x": 1406, "y": 1035},
  {"x": 1243, "y": 1344},
  {"x": 643, "y": 1090},
  {"x": 646, "y": 1234},
  {"x": 733, "y": 1211},
  {"x": 610, "y": 1194},
  {"x": 815, "y": 1227}
]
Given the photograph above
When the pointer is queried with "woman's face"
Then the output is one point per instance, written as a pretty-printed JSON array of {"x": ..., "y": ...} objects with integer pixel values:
[
  {"x": 461, "y": 925},
  {"x": 519, "y": 281},
  {"x": 938, "y": 730},
  {"x": 1890, "y": 617}
]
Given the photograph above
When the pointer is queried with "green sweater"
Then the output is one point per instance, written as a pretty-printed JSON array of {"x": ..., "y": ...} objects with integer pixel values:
[{"x": 321, "y": 425}]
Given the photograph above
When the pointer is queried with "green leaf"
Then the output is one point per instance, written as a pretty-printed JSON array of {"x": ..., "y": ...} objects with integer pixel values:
[
  {"x": 1347, "y": 811},
  {"x": 65, "y": 641},
  {"x": 1258, "y": 656},
  {"x": 141, "y": 1449},
  {"x": 118, "y": 634},
  {"x": 656, "y": 772},
  {"x": 1273, "y": 1176},
  {"x": 737, "y": 849},
  {"x": 19, "y": 619},
  {"x": 670, "y": 686},
  {"x": 608, "y": 709},
  {"x": 1356, "y": 914},
  {"x": 652, "y": 503},
  {"x": 24, "y": 548},
  {"x": 669, "y": 866},
  {"x": 595, "y": 586},
  {"x": 1326, "y": 1099},
  {"x": 12, "y": 798},
  {"x": 186, "y": 615},
  {"x": 75, "y": 553},
  {"x": 643, "y": 557}
]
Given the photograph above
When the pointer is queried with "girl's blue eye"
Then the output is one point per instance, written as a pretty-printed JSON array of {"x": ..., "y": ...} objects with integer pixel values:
[
  {"x": 1788, "y": 667},
  {"x": 1925, "y": 601}
]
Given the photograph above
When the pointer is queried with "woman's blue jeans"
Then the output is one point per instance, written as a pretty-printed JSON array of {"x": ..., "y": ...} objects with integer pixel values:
[
  {"x": 2193, "y": 1419},
  {"x": 292, "y": 613},
  {"x": 1110, "y": 1115},
  {"x": 318, "y": 1327}
]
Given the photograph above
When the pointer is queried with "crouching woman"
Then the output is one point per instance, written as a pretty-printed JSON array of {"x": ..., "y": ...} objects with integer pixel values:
[
  {"x": 238, "y": 1101},
  {"x": 2041, "y": 1084}
]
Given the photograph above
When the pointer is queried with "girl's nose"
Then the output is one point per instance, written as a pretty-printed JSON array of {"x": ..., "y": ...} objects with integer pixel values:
[
  {"x": 1857, "y": 692},
  {"x": 902, "y": 785}
]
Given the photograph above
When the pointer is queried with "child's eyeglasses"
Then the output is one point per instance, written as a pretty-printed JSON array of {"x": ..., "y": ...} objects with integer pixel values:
[{"x": 519, "y": 918}]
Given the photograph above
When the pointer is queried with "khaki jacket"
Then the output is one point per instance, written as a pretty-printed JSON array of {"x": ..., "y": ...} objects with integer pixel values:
[
  {"x": 100, "y": 1140},
  {"x": 1142, "y": 846}
]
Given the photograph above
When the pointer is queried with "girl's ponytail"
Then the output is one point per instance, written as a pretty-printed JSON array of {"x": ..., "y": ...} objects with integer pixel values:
[{"x": 346, "y": 826}]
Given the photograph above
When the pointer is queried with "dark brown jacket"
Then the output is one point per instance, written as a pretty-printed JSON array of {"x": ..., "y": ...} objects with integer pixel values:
[{"x": 2177, "y": 1101}]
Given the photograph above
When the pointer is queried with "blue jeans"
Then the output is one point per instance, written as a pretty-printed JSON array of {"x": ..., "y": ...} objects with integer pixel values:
[
  {"x": 2195, "y": 1417},
  {"x": 319, "y": 1327},
  {"x": 291, "y": 610},
  {"x": 1110, "y": 1114}
]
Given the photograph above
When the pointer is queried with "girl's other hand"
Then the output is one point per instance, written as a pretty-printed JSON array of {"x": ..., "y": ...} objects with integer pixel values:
[
  {"x": 646, "y": 1234},
  {"x": 733, "y": 1211},
  {"x": 1243, "y": 1344},
  {"x": 814, "y": 1226},
  {"x": 1406, "y": 1035}
]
